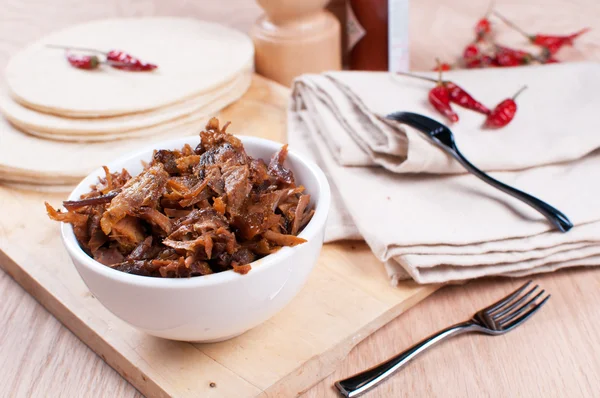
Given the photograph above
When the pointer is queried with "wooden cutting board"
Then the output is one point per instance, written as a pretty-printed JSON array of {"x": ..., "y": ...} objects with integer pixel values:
[{"x": 348, "y": 296}]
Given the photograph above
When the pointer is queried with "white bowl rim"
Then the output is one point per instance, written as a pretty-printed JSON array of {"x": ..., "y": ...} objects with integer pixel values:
[{"x": 309, "y": 232}]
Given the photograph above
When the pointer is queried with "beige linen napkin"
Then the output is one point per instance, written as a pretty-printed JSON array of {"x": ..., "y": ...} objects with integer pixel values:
[
  {"x": 553, "y": 124},
  {"x": 438, "y": 228}
]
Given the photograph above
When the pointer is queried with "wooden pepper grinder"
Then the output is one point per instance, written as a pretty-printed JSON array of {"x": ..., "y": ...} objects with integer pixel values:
[{"x": 295, "y": 37}]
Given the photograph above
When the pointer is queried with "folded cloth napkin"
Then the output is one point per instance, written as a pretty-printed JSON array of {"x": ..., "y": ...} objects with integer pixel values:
[
  {"x": 439, "y": 226},
  {"x": 553, "y": 122}
]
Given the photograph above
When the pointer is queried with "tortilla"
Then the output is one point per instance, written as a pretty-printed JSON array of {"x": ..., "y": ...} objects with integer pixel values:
[
  {"x": 119, "y": 127},
  {"x": 26, "y": 158},
  {"x": 193, "y": 57}
]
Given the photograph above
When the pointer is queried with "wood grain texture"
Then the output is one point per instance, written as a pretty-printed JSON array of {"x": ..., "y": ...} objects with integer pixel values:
[
  {"x": 551, "y": 356},
  {"x": 55, "y": 362}
]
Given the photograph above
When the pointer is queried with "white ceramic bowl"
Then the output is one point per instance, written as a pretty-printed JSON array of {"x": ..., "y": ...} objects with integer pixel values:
[{"x": 213, "y": 307}]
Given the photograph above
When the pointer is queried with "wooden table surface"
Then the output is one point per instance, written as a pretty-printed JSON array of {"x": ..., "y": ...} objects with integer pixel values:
[{"x": 555, "y": 354}]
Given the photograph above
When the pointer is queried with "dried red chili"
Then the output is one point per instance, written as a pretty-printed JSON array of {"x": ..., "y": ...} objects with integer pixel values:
[
  {"x": 552, "y": 43},
  {"x": 471, "y": 57},
  {"x": 115, "y": 58},
  {"x": 128, "y": 62},
  {"x": 506, "y": 56},
  {"x": 473, "y": 63},
  {"x": 460, "y": 97},
  {"x": 482, "y": 61},
  {"x": 487, "y": 60},
  {"x": 456, "y": 94},
  {"x": 555, "y": 43},
  {"x": 504, "y": 112},
  {"x": 470, "y": 51},
  {"x": 83, "y": 61},
  {"x": 439, "y": 97},
  {"x": 483, "y": 28}
]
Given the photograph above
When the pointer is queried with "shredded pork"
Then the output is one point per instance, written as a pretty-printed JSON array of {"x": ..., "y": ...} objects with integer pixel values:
[{"x": 191, "y": 212}]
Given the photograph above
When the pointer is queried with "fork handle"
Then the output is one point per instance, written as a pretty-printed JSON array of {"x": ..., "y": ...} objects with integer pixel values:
[
  {"x": 361, "y": 382},
  {"x": 556, "y": 217}
]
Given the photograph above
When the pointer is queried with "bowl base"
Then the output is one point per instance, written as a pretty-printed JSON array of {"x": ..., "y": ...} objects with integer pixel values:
[{"x": 218, "y": 340}]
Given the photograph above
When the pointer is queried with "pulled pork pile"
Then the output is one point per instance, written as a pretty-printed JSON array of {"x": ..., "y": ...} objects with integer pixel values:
[{"x": 192, "y": 211}]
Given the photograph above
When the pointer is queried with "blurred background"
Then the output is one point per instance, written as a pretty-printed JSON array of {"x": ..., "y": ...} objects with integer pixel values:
[{"x": 438, "y": 28}]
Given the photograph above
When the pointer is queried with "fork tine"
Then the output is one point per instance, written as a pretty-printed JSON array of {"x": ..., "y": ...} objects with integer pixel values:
[
  {"x": 506, "y": 299},
  {"x": 514, "y": 305},
  {"x": 509, "y": 317},
  {"x": 525, "y": 316}
]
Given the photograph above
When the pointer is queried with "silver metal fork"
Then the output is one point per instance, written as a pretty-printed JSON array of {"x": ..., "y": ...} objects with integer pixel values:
[{"x": 496, "y": 319}]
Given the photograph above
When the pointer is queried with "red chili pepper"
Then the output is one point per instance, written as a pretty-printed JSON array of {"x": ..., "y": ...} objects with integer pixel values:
[
  {"x": 510, "y": 57},
  {"x": 442, "y": 67},
  {"x": 482, "y": 61},
  {"x": 470, "y": 51},
  {"x": 115, "y": 58},
  {"x": 552, "y": 42},
  {"x": 482, "y": 28},
  {"x": 555, "y": 43},
  {"x": 515, "y": 52},
  {"x": 128, "y": 62},
  {"x": 83, "y": 61},
  {"x": 473, "y": 63},
  {"x": 439, "y": 97},
  {"x": 487, "y": 60},
  {"x": 455, "y": 94},
  {"x": 505, "y": 59},
  {"x": 471, "y": 56},
  {"x": 504, "y": 112},
  {"x": 459, "y": 96}
]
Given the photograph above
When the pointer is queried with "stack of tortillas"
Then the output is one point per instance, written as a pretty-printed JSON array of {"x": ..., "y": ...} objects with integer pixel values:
[{"x": 61, "y": 122}]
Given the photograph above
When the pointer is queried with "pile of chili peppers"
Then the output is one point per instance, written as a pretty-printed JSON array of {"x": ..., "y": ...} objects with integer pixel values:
[
  {"x": 446, "y": 93},
  {"x": 484, "y": 52},
  {"x": 78, "y": 58}
]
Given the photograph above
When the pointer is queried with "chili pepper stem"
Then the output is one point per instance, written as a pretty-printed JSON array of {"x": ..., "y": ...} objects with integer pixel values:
[
  {"x": 439, "y": 66},
  {"x": 490, "y": 8},
  {"x": 429, "y": 79},
  {"x": 91, "y": 50},
  {"x": 512, "y": 24},
  {"x": 514, "y": 97}
]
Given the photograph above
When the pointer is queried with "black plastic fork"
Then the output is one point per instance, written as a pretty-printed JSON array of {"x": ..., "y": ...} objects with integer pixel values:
[
  {"x": 441, "y": 136},
  {"x": 496, "y": 319}
]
